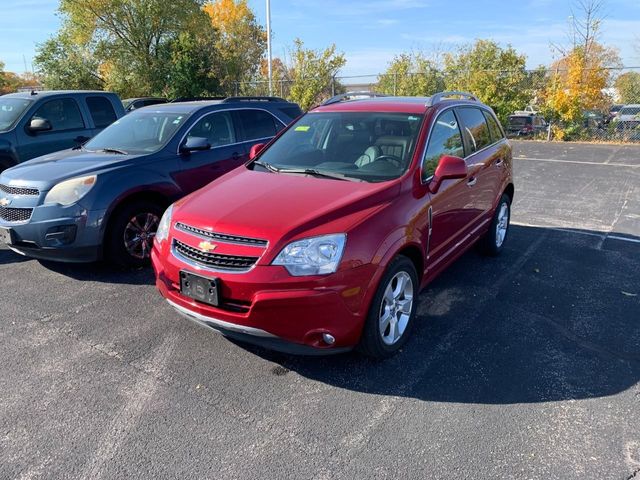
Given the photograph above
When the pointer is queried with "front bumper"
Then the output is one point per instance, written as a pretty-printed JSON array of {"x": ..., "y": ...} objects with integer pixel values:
[
  {"x": 65, "y": 234},
  {"x": 268, "y": 307}
]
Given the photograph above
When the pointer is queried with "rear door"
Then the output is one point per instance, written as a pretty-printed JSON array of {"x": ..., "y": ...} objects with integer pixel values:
[
  {"x": 197, "y": 169},
  {"x": 482, "y": 155},
  {"x": 68, "y": 128},
  {"x": 257, "y": 126},
  {"x": 101, "y": 111}
]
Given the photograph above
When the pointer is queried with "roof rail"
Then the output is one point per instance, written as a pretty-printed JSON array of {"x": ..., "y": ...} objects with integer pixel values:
[
  {"x": 351, "y": 96},
  {"x": 253, "y": 99},
  {"x": 438, "y": 97}
]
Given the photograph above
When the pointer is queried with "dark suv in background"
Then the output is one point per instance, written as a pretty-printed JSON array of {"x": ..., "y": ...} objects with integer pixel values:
[
  {"x": 105, "y": 198},
  {"x": 36, "y": 123}
]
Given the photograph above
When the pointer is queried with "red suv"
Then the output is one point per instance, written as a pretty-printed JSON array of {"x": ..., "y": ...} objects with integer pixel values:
[{"x": 323, "y": 240}]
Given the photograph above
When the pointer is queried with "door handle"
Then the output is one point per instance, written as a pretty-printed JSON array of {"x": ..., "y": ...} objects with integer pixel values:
[
  {"x": 235, "y": 155},
  {"x": 472, "y": 181},
  {"x": 499, "y": 162}
]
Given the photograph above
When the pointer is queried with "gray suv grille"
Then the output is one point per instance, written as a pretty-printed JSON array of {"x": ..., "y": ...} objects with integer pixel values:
[
  {"x": 15, "y": 214},
  {"x": 19, "y": 190}
]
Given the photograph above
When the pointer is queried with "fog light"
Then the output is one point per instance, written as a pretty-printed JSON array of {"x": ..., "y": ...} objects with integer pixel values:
[
  {"x": 328, "y": 338},
  {"x": 61, "y": 235}
]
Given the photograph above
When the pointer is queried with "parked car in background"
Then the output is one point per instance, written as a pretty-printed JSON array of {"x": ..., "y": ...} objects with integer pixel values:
[
  {"x": 525, "y": 125},
  {"x": 131, "y": 104},
  {"x": 593, "y": 119},
  {"x": 613, "y": 112},
  {"x": 628, "y": 117},
  {"x": 37, "y": 123},
  {"x": 105, "y": 198},
  {"x": 323, "y": 241}
]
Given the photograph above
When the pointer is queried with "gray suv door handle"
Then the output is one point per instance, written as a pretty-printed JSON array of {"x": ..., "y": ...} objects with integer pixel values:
[
  {"x": 472, "y": 181},
  {"x": 499, "y": 162}
]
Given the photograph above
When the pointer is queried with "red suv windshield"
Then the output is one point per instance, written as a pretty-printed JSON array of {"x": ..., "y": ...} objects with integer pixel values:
[{"x": 365, "y": 146}]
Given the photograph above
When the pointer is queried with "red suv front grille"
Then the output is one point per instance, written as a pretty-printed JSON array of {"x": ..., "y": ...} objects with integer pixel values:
[{"x": 213, "y": 260}]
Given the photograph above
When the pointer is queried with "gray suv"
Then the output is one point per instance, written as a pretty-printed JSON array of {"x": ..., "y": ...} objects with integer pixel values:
[{"x": 36, "y": 123}]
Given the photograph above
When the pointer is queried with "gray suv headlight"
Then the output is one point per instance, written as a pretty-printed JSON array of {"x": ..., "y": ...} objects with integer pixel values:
[{"x": 70, "y": 191}]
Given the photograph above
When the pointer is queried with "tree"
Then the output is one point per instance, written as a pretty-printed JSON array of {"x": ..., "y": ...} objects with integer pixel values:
[
  {"x": 583, "y": 71},
  {"x": 497, "y": 75},
  {"x": 126, "y": 46},
  {"x": 312, "y": 73},
  {"x": 241, "y": 43},
  {"x": 628, "y": 87},
  {"x": 411, "y": 74}
]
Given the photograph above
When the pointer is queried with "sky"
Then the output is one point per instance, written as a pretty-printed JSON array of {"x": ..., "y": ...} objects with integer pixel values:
[{"x": 370, "y": 33}]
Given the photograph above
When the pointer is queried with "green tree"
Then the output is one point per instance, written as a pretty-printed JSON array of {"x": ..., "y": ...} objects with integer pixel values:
[
  {"x": 64, "y": 64},
  {"x": 241, "y": 43},
  {"x": 411, "y": 74},
  {"x": 628, "y": 87},
  {"x": 126, "y": 46},
  {"x": 497, "y": 75},
  {"x": 312, "y": 73}
]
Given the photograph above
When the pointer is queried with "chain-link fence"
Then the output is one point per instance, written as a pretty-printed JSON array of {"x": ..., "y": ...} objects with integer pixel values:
[{"x": 520, "y": 98}]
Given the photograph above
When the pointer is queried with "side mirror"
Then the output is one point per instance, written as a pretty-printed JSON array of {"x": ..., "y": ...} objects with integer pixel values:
[
  {"x": 38, "y": 124},
  {"x": 449, "y": 168},
  {"x": 255, "y": 150},
  {"x": 194, "y": 144}
]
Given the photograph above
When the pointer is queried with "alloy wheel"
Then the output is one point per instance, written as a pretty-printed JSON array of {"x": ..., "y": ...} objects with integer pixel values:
[
  {"x": 395, "y": 310},
  {"x": 139, "y": 234}
]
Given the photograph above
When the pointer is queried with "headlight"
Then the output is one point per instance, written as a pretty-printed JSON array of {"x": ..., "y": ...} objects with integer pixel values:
[
  {"x": 312, "y": 256},
  {"x": 70, "y": 191},
  {"x": 165, "y": 224}
]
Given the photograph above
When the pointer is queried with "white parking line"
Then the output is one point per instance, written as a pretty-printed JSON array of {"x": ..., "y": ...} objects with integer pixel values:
[
  {"x": 601, "y": 235},
  {"x": 555, "y": 160}
]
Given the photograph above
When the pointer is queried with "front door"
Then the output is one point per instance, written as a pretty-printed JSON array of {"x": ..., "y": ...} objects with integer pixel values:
[
  {"x": 450, "y": 213},
  {"x": 200, "y": 168}
]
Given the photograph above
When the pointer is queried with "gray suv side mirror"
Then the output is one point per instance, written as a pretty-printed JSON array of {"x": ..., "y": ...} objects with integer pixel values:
[{"x": 39, "y": 125}]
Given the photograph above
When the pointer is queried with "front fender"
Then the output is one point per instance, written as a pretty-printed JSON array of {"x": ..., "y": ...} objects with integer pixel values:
[{"x": 8, "y": 154}]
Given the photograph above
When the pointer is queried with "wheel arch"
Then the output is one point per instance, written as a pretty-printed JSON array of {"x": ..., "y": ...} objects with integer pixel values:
[
  {"x": 153, "y": 196},
  {"x": 509, "y": 191}
]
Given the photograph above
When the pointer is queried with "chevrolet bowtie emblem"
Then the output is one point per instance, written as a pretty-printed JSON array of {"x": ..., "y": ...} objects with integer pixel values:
[
  {"x": 207, "y": 246},
  {"x": 5, "y": 202}
]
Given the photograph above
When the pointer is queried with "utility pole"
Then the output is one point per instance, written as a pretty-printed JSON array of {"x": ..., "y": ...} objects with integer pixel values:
[{"x": 269, "y": 72}]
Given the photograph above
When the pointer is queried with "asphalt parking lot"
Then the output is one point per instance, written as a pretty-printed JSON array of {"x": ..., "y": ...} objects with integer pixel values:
[{"x": 524, "y": 366}]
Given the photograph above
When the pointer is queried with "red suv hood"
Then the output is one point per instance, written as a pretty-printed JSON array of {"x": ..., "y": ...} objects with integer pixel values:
[{"x": 277, "y": 207}]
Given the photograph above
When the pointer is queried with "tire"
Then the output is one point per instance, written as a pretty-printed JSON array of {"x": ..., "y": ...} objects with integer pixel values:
[
  {"x": 378, "y": 339},
  {"x": 130, "y": 234},
  {"x": 493, "y": 241}
]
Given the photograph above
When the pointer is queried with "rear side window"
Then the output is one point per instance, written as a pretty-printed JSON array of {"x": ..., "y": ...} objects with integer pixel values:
[
  {"x": 445, "y": 139},
  {"x": 102, "y": 111},
  {"x": 475, "y": 128},
  {"x": 63, "y": 114},
  {"x": 258, "y": 124},
  {"x": 630, "y": 111},
  {"x": 291, "y": 112},
  {"x": 494, "y": 128}
]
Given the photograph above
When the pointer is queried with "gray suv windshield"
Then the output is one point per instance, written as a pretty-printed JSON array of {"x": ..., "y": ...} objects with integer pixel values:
[
  {"x": 11, "y": 109},
  {"x": 138, "y": 133}
]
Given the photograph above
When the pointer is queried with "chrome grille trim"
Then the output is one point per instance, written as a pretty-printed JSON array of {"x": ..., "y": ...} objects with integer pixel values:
[
  {"x": 222, "y": 237},
  {"x": 213, "y": 261},
  {"x": 15, "y": 215},
  {"x": 19, "y": 190}
]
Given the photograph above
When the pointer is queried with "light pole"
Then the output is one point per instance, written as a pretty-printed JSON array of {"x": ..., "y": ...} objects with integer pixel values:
[{"x": 269, "y": 46}]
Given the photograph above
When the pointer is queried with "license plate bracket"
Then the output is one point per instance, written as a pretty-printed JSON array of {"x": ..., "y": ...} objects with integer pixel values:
[
  {"x": 202, "y": 289},
  {"x": 6, "y": 236}
]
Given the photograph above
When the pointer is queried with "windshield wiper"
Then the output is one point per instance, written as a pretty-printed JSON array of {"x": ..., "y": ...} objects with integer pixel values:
[
  {"x": 268, "y": 166},
  {"x": 318, "y": 173},
  {"x": 113, "y": 150}
]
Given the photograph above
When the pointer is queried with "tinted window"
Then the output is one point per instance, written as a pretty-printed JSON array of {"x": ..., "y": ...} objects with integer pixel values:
[
  {"x": 101, "y": 111},
  {"x": 291, "y": 112},
  {"x": 630, "y": 111},
  {"x": 216, "y": 127},
  {"x": 494, "y": 128},
  {"x": 445, "y": 139},
  {"x": 139, "y": 132},
  {"x": 257, "y": 124},
  {"x": 63, "y": 114},
  {"x": 520, "y": 121},
  {"x": 475, "y": 128}
]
